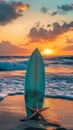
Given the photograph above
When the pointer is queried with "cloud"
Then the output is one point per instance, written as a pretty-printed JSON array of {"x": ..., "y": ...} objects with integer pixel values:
[
  {"x": 49, "y": 25},
  {"x": 63, "y": 9},
  {"x": 38, "y": 34},
  {"x": 44, "y": 9},
  {"x": 54, "y": 13},
  {"x": 69, "y": 40},
  {"x": 37, "y": 24},
  {"x": 7, "y": 48},
  {"x": 66, "y": 7},
  {"x": 11, "y": 10},
  {"x": 68, "y": 48}
]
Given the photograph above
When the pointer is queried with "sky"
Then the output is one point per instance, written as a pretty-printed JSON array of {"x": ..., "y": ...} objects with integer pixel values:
[{"x": 29, "y": 24}]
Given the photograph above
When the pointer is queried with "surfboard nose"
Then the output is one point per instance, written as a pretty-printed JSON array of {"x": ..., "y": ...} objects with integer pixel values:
[{"x": 36, "y": 51}]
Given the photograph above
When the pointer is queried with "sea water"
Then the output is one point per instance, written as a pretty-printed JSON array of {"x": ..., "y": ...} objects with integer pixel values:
[{"x": 58, "y": 76}]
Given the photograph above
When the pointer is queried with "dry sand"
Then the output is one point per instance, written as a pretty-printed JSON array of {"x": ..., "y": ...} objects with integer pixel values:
[{"x": 12, "y": 109}]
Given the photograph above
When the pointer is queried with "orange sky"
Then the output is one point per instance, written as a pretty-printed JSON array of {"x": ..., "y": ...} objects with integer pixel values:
[{"x": 30, "y": 25}]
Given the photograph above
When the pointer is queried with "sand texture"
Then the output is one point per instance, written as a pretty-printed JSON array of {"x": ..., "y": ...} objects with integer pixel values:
[{"x": 12, "y": 110}]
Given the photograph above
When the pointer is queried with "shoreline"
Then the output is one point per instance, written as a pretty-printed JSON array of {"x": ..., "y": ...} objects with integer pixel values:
[
  {"x": 46, "y": 96},
  {"x": 12, "y": 109}
]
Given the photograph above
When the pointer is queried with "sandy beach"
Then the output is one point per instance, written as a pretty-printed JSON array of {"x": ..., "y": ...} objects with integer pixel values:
[{"x": 12, "y": 110}]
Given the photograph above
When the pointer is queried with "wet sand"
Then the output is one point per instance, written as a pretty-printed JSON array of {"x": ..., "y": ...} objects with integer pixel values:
[{"x": 12, "y": 110}]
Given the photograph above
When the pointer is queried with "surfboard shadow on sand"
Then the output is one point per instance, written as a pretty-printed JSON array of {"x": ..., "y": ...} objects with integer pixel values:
[{"x": 38, "y": 125}]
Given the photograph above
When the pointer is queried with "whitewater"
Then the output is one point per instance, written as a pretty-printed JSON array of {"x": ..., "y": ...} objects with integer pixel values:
[{"x": 58, "y": 76}]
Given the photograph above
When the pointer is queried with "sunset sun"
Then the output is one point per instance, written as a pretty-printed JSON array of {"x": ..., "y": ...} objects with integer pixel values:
[{"x": 48, "y": 51}]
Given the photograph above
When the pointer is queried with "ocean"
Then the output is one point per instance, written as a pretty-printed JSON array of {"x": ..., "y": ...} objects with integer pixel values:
[{"x": 58, "y": 76}]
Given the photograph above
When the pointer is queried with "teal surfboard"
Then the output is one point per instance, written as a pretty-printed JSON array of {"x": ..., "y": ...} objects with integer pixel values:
[{"x": 34, "y": 82}]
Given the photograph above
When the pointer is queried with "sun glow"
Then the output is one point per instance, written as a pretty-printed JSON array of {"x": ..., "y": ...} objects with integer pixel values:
[{"x": 48, "y": 52}]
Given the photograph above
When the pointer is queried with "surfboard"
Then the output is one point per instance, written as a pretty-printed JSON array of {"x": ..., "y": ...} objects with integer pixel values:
[{"x": 34, "y": 82}]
